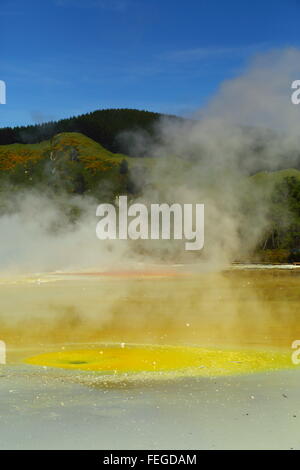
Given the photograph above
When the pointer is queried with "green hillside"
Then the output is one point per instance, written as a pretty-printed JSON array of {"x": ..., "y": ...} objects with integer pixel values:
[
  {"x": 72, "y": 163},
  {"x": 269, "y": 178},
  {"x": 68, "y": 161}
]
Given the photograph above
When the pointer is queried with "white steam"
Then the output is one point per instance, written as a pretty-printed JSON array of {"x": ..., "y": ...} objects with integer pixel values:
[{"x": 203, "y": 160}]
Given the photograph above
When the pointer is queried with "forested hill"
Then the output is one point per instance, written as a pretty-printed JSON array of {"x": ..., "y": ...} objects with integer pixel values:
[{"x": 103, "y": 126}]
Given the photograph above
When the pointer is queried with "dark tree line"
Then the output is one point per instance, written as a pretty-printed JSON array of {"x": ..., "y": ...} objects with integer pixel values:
[
  {"x": 103, "y": 126},
  {"x": 284, "y": 215}
]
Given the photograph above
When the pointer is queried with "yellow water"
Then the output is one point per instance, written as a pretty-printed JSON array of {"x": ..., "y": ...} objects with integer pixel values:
[
  {"x": 156, "y": 359},
  {"x": 218, "y": 323}
]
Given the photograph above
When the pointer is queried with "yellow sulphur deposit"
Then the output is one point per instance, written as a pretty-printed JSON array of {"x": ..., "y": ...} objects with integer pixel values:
[{"x": 190, "y": 361}]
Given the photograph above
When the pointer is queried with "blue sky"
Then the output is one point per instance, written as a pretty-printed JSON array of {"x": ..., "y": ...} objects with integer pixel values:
[{"x": 66, "y": 57}]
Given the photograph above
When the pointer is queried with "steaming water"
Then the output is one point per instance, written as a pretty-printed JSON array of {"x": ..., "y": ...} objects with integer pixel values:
[{"x": 44, "y": 407}]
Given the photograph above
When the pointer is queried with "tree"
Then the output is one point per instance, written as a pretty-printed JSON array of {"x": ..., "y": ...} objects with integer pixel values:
[{"x": 124, "y": 167}]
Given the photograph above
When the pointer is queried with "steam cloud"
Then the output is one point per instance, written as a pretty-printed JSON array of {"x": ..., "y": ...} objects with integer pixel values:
[
  {"x": 206, "y": 159},
  {"x": 248, "y": 126}
]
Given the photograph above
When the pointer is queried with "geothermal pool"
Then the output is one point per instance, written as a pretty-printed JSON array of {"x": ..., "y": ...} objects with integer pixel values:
[{"x": 162, "y": 358}]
